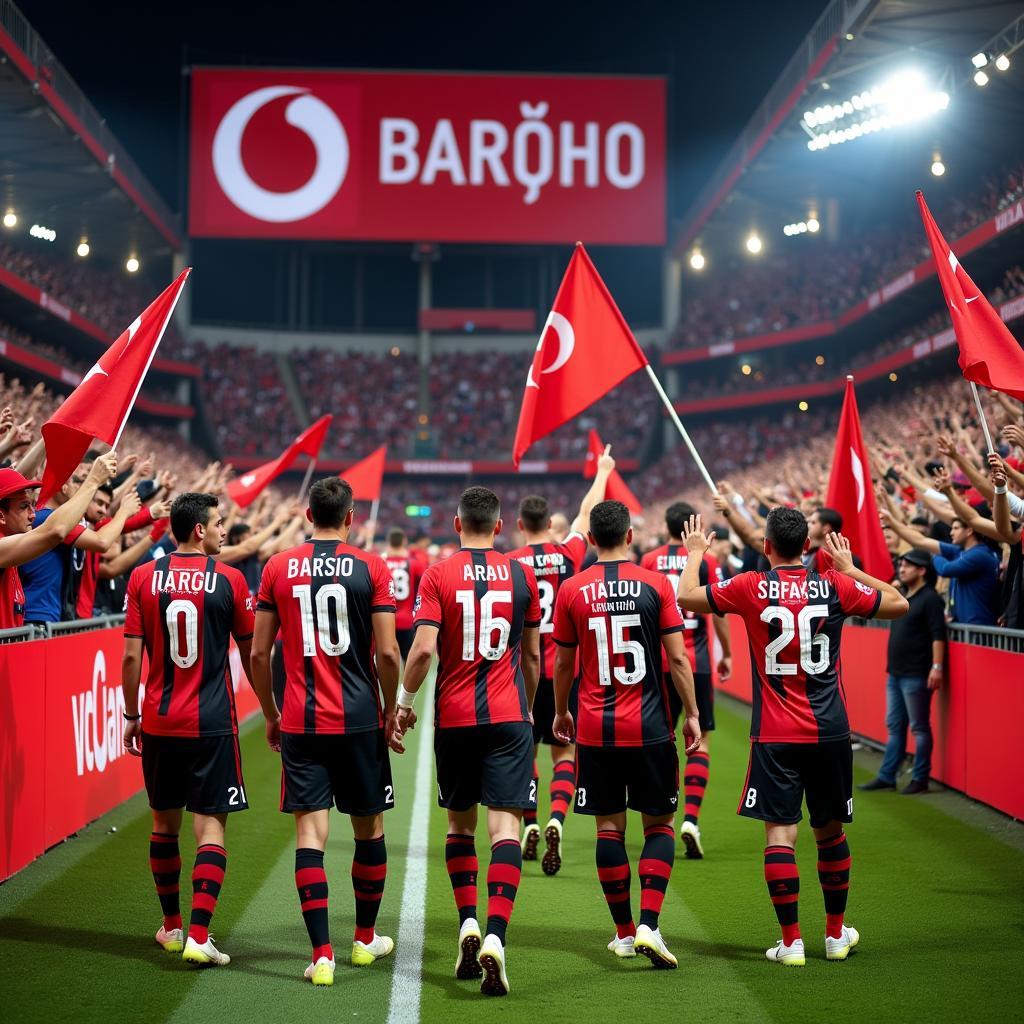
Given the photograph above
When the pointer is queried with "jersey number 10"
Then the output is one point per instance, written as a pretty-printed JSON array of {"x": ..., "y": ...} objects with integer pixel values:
[{"x": 331, "y": 627}]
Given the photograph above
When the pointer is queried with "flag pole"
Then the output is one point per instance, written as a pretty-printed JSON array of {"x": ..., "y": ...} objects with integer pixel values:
[
  {"x": 981, "y": 416},
  {"x": 682, "y": 430},
  {"x": 306, "y": 479},
  {"x": 374, "y": 510}
]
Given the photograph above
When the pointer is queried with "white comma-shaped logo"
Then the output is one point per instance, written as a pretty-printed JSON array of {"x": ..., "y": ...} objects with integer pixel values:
[
  {"x": 566, "y": 345},
  {"x": 308, "y": 114}
]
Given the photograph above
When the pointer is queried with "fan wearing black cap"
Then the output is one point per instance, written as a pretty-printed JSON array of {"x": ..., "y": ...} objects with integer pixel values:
[
  {"x": 916, "y": 655},
  {"x": 19, "y": 543}
]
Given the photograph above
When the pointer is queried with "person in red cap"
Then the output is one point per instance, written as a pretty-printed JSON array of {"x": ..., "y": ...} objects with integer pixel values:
[{"x": 19, "y": 543}]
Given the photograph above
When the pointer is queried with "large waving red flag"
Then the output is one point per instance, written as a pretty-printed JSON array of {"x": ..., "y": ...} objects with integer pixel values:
[
  {"x": 244, "y": 490},
  {"x": 852, "y": 495},
  {"x": 585, "y": 349},
  {"x": 617, "y": 489},
  {"x": 989, "y": 354},
  {"x": 366, "y": 477},
  {"x": 99, "y": 407}
]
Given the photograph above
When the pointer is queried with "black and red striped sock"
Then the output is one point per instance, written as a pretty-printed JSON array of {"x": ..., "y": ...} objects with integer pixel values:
[
  {"x": 563, "y": 789},
  {"x": 530, "y": 813},
  {"x": 207, "y": 879},
  {"x": 783, "y": 880},
  {"x": 369, "y": 870},
  {"x": 311, "y": 883},
  {"x": 834, "y": 876},
  {"x": 460, "y": 860},
  {"x": 165, "y": 863},
  {"x": 613, "y": 873},
  {"x": 503, "y": 876},
  {"x": 656, "y": 859},
  {"x": 695, "y": 781}
]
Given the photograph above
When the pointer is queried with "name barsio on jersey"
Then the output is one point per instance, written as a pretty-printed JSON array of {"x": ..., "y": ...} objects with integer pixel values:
[
  {"x": 329, "y": 566},
  {"x": 602, "y": 595},
  {"x": 182, "y": 581},
  {"x": 485, "y": 573},
  {"x": 794, "y": 590}
]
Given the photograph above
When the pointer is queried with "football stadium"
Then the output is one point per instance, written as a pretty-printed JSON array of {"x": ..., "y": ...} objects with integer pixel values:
[{"x": 516, "y": 512}]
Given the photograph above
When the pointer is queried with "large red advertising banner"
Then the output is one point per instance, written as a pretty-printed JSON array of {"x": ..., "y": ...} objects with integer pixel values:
[{"x": 432, "y": 157}]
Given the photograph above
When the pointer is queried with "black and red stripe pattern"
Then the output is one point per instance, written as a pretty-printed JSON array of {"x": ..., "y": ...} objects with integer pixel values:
[
  {"x": 783, "y": 881},
  {"x": 695, "y": 782},
  {"x": 165, "y": 863},
  {"x": 461, "y": 861},
  {"x": 614, "y": 875},
  {"x": 311, "y": 884},
  {"x": 369, "y": 872},
  {"x": 207, "y": 880},
  {"x": 834, "y": 875},
  {"x": 503, "y": 877},
  {"x": 656, "y": 860},
  {"x": 563, "y": 789}
]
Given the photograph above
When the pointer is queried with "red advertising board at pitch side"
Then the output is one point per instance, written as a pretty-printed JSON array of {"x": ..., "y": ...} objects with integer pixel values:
[{"x": 429, "y": 157}]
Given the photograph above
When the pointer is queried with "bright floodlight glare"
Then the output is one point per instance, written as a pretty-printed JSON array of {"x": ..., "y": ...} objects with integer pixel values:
[
  {"x": 83, "y": 248},
  {"x": 979, "y": 60},
  {"x": 10, "y": 219},
  {"x": 803, "y": 407},
  {"x": 1003, "y": 62},
  {"x": 753, "y": 243},
  {"x": 812, "y": 224},
  {"x": 820, "y": 360},
  {"x": 893, "y": 377},
  {"x": 132, "y": 265},
  {"x": 745, "y": 369},
  {"x": 938, "y": 168},
  {"x": 810, "y": 119},
  {"x": 980, "y": 79},
  {"x": 697, "y": 259}
]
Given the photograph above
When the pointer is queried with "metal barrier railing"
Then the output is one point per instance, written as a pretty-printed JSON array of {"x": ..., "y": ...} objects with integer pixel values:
[
  {"x": 16, "y": 25},
  {"x": 12, "y": 636},
  {"x": 82, "y": 625},
  {"x": 995, "y": 637}
]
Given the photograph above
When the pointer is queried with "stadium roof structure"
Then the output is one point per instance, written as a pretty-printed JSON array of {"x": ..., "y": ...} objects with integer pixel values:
[
  {"x": 770, "y": 177},
  {"x": 60, "y": 165}
]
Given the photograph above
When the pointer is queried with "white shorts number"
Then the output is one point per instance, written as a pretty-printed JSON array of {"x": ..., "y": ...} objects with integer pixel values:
[
  {"x": 234, "y": 792},
  {"x": 389, "y": 794},
  {"x": 814, "y": 648},
  {"x": 175, "y": 611},
  {"x": 488, "y": 645},
  {"x": 751, "y": 800},
  {"x": 533, "y": 791},
  {"x": 581, "y": 798},
  {"x": 331, "y": 617},
  {"x": 619, "y": 645}
]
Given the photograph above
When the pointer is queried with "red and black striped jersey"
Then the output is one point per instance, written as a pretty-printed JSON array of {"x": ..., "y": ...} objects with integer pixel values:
[
  {"x": 12, "y": 599},
  {"x": 552, "y": 564},
  {"x": 794, "y": 620},
  {"x": 670, "y": 561},
  {"x": 617, "y": 613},
  {"x": 185, "y": 608},
  {"x": 325, "y": 594},
  {"x": 481, "y": 601},
  {"x": 406, "y": 573}
]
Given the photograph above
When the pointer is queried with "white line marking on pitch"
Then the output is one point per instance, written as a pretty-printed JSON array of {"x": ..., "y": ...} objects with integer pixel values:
[{"x": 407, "y": 979}]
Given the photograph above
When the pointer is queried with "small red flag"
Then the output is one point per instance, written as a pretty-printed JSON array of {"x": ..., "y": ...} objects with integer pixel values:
[
  {"x": 366, "y": 477},
  {"x": 851, "y": 494},
  {"x": 617, "y": 489},
  {"x": 989, "y": 354},
  {"x": 99, "y": 407},
  {"x": 585, "y": 349},
  {"x": 244, "y": 490}
]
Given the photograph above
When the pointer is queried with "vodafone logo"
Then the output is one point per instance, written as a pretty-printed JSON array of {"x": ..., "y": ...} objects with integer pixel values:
[
  {"x": 566, "y": 345},
  {"x": 311, "y": 116}
]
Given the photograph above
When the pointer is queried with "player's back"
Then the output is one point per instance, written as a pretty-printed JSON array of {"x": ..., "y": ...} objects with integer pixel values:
[
  {"x": 617, "y": 613},
  {"x": 325, "y": 593},
  {"x": 794, "y": 618},
  {"x": 405, "y": 574},
  {"x": 480, "y": 600},
  {"x": 185, "y": 607},
  {"x": 552, "y": 562}
]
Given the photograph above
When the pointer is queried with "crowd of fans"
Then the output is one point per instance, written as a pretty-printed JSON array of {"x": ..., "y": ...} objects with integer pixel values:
[{"x": 819, "y": 280}]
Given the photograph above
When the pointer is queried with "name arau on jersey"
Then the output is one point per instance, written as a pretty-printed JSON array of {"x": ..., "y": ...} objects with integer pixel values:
[
  {"x": 485, "y": 573},
  {"x": 794, "y": 590}
]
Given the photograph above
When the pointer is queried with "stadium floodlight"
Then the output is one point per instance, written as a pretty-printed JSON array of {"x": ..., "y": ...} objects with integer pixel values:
[
  {"x": 44, "y": 233},
  {"x": 132, "y": 264},
  {"x": 83, "y": 248},
  {"x": 813, "y": 225},
  {"x": 902, "y": 99},
  {"x": 746, "y": 369},
  {"x": 10, "y": 219},
  {"x": 396, "y": 351},
  {"x": 938, "y": 167},
  {"x": 754, "y": 243},
  {"x": 1003, "y": 62},
  {"x": 803, "y": 406},
  {"x": 894, "y": 377},
  {"x": 697, "y": 260},
  {"x": 979, "y": 60},
  {"x": 980, "y": 79}
]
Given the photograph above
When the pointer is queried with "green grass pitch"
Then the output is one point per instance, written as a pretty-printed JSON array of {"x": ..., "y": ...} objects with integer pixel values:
[{"x": 937, "y": 892}]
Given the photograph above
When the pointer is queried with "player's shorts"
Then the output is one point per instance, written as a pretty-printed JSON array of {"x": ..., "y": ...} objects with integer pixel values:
[
  {"x": 352, "y": 772},
  {"x": 203, "y": 774},
  {"x": 611, "y": 779},
  {"x": 485, "y": 764},
  {"x": 405, "y": 641},
  {"x": 780, "y": 774},
  {"x": 544, "y": 711},
  {"x": 704, "y": 691}
]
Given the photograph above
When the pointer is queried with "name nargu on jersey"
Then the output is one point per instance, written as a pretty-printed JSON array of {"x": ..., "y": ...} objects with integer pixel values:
[{"x": 182, "y": 581}]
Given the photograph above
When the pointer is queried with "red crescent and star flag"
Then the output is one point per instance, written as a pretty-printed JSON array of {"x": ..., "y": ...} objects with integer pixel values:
[
  {"x": 851, "y": 494},
  {"x": 244, "y": 490},
  {"x": 585, "y": 349},
  {"x": 989, "y": 354},
  {"x": 99, "y": 407},
  {"x": 617, "y": 489}
]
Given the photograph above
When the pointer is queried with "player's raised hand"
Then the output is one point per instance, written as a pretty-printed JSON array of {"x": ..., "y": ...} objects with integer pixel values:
[
  {"x": 563, "y": 728},
  {"x": 691, "y": 733},
  {"x": 133, "y": 738},
  {"x": 605, "y": 462},
  {"x": 996, "y": 470},
  {"x": 693, "y": 537},
  {"x": 839, "y": 549}
]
